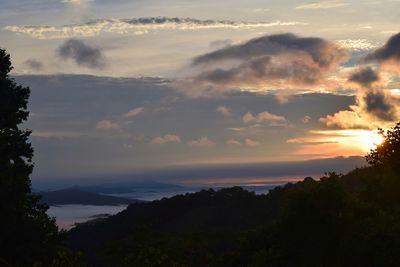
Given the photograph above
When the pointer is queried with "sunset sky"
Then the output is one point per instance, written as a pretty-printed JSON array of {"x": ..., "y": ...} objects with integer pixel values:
[{"x": 123, "y": 87}]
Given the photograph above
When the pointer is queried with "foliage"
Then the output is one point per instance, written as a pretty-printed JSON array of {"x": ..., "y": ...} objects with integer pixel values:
[
  {"x": 28, "y": 237},
  {"x": 388, "y": 152}
]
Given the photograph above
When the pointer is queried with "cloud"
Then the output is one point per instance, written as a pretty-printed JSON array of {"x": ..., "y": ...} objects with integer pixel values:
[
  {"x": 107, "y": 125},
  {"x": 133, "y": 113},
  {"x": 365, "y": 77},
  {"x": 218, "y": 44},
  {"x": 306, "y": 119},
  {"x": 268, "y": 62},
  {"x": 347, "y": 119},
  {"x": 233, "y": 142},
  {"x": 34, "y": 64},
  {"x": 137, "y": 26},
  {"x": 375, "y": 107},
  {"x": 282, "y": 98},
  {"x": 331, "y": 143},
  {"x": 168, "y": 138},
  {"x": 254, "y": 128},
  {"x": 356, "y": 45},
  {"x": 263, "y": 117},
  {"x": 389, "y": 54},
  {"x": 224, "y": 111},
  {"x": 83, "y": 54},
  {"x": 248, "y": 142},
  {"x": 323, "y": 4},
  {"x": 201, "y": 142},
  {"x": 251, "y": 143},
  {"x": 380, "y": 104},
  {"x": 76, "y": 2}
]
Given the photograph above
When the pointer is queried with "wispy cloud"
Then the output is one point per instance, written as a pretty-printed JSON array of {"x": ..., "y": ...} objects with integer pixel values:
[
  {"x": 224, "y": 111},
  {"x": 107, "y": 125},
  {"x": 168, "y": 138},
  {"x": 233, "y": 142},
  {"x": 323, "y": 4},
  {"x": 133, "y": 112},
  {"x": 247, "y": 141},
  {"x": 306, "y": 119},
  {"x": 137, "y": 26},
  {"x": 263, "y": 117},
  {"x": 356, "y": 44},
  {"x": 34, "y": 64},
  {"x": 251, "y": 142},
  {"x": 201, "y": 142},
  {"x": 333, "y": 143}
]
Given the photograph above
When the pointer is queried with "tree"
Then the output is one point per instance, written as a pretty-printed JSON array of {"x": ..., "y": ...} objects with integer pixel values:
[
  {"x": 388, "y": 152},
  {"x": 28, "y": 236}
]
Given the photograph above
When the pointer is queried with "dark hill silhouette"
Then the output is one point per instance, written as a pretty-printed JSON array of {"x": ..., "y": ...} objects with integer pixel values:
[{"x": 340, "y": 220}]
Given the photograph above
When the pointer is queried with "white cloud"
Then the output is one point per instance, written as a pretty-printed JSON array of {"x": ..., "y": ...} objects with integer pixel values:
[
  {"x": 107, "y": 125},
  {"x": 133, "y": 113},
  {"x": 306, "y": 119},
  {"x": 323, "y": 4},
  {"x": 168, "y": 138},
  {"x": 356, "y": 44},
  {"x": 263, "y": 117},
  {"x": 201, "y": 142},
  {"x": 233, "y": 142},
  {"x": 224, "y": 111},
  {"x": 77, "y": 2},
  {"x": 136, "y": 26},
  {"x": 251, "y": 143}
]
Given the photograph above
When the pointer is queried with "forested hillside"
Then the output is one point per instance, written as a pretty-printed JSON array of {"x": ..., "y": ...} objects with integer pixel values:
[{"x": 340, "y": 220}]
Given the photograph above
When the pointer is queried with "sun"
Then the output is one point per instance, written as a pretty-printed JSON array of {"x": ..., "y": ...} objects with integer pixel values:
[{"x": 371, "y": 139}]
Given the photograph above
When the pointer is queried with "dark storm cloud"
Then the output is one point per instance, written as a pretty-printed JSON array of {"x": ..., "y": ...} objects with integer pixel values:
[
  {"x": 83, "y": 54},
  {"x": 273, "y": 59},
  {"x": 34, "y": 64},
  {"x": 273, "y": 45},
  {"x": 389, "y": 54},
  {"x": 380, "y": 105},
  {"x": 365, "y": 77}
]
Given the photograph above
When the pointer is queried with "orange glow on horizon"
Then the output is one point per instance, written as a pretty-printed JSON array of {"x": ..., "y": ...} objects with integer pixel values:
[{"x": 332, "y": 143}]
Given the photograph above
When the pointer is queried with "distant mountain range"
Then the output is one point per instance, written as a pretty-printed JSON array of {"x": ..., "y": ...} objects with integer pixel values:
[
  {"x": 71, "y": 196},
  {"x": 129, "y": 187}
]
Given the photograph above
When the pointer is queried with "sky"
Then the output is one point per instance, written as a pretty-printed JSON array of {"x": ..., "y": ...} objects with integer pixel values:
[{"x": 130, "y": 87}]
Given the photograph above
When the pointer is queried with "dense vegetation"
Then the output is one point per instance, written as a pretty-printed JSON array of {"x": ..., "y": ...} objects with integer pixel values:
[
  {"x": 340, "y": 220},
  {"x": 28, "y": 236}
]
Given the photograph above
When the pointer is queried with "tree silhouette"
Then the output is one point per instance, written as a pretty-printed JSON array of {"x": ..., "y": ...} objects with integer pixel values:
[
  {"x": 28, "y": 237},
  {"x": 388, "y": 152}
]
